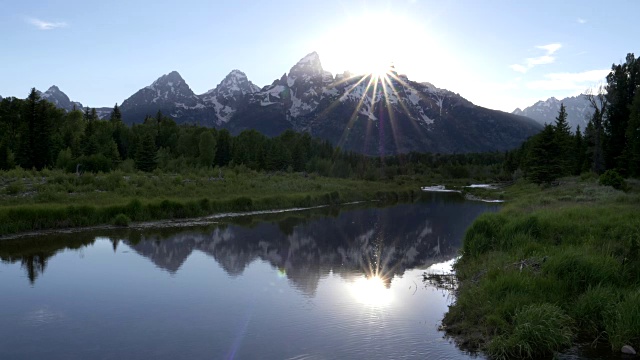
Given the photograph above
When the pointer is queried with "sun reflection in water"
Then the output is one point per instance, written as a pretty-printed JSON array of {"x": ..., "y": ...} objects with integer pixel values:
[{"x": 371, "y": 291}]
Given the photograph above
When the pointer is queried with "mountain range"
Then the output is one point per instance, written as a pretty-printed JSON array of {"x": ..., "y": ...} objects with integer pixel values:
[
  {"x": 545, "y": 112},
  {"x": 362, "y": 113}
]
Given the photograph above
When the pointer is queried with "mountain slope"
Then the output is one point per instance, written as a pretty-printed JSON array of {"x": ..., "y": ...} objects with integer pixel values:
[
  {"x": 378, "y": 116},
  {"x": 169, "y": 94},
  {"x": 58, "y": 98},
  {"x": 363, "y": 113},
  {"x": 545, "y": 112},
  {"x": 228, "y": 96}
]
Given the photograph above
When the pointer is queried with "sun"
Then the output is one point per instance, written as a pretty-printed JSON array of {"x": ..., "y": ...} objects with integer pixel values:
[{"x": 370, "y": 43}]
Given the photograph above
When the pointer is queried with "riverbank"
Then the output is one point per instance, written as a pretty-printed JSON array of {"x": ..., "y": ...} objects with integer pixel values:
[
  {"x": 555, "y": 266},
  {"x": 33, "y": 201}
]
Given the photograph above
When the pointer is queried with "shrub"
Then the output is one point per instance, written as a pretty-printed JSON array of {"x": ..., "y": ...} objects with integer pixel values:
[
  {"x": 15, "y": 188},
  {"x": 121, "y": 220},
  {"x": 613, "y": 179},
  {"x": 95, "y": 163}
]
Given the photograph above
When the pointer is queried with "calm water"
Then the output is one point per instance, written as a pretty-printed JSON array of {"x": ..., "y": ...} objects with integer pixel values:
[{"x": 323, "y": 284}]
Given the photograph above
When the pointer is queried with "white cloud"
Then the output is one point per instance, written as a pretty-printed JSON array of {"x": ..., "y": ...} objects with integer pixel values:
[
  {"x": 519, "y": 68},
  {"x": 46, "y": 25},
  {"x": 550, "y": 48},
  {"x": 569, "y": 81},
  {"x": 547, "y": 58},
  {"x": 581, "y": 21}
]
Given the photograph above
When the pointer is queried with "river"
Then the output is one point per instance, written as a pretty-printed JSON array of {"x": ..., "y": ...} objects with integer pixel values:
[{"x": 330, "y": 283}]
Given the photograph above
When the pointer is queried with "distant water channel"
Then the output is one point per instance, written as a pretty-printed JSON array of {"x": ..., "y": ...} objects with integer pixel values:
[{"x": 320, "y": 284}]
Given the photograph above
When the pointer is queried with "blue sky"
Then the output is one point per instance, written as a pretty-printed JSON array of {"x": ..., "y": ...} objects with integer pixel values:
[{"x": 497, "y": 54}]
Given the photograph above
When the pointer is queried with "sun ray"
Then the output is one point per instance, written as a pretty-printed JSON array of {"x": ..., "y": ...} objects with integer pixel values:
[
  {"x": 402, "y": 105},
  {"x": 370, "y": 123},
  {"x": 407, "y": 85},
  {"x": 354, "y": 115}
]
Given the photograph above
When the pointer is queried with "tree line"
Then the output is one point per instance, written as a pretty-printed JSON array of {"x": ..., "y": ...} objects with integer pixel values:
[
  {"x": 36, "y": 134},
  {"x": 611, "y": 139}
]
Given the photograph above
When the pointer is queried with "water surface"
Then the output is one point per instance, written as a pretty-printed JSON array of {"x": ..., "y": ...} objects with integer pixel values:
[{"x": 323, "y": 284}]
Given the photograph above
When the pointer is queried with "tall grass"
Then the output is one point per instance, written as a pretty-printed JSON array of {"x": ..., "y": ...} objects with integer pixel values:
[
  {"x": 52, "y": 199},
  {"x": 568, "y": 252}
]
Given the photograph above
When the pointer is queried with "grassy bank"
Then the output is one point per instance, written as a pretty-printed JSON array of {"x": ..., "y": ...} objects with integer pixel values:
[
  {"x": 555, "y": 266},
  {"x": 52, "y": 199}
]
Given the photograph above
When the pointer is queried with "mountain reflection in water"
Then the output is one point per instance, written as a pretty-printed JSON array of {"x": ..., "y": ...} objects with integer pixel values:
[
  {"x": 331, "y": 283},
  {"x": 305, "y": 246}
]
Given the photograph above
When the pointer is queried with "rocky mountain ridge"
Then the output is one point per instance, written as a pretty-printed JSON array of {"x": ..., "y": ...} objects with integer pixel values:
[
  {"x": 545, "y": 112},
  {"x": 363, "y": 113}
]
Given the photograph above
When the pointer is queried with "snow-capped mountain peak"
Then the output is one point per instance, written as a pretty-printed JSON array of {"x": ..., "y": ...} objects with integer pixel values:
[
  {"x": 172, "y": 83},
  {"x": 355, "y": 112},
  {"x": 226, "y": 97},
  {"x": 545, "y": 111},
  {"x": 169, "y": 94},
  {"x": 236, "y": 83},
  {"x": 309, "y": 64}
]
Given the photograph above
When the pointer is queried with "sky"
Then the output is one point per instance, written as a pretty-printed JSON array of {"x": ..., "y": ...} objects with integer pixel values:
[{"x": 496, "y": 53}]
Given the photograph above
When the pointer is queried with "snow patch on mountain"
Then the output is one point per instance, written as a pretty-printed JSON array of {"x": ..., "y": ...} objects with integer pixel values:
[{"x": 227, "y": 96}]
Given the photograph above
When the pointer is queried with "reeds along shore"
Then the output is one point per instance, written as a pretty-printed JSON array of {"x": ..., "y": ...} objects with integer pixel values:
[{"x": 556, "y": 265}]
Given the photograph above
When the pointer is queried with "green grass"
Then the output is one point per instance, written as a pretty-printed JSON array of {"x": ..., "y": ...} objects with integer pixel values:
[
  {"x": 569, "y": 250},
  {"x": 32, "y": 200}
]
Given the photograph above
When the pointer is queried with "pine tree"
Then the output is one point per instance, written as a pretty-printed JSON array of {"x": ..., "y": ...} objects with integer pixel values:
[
  {"x": 36, "y": 136},
  {"x": 223, "y": 148},
  {"x": 207, "y": 147},
  {"x": 580, "y": 152},
  {"x": 27, "y": 136},
  {"x": 145, "y": 157},
  {"x": 115, "y": 116},
  {"x": 633, "y": 137},
  {"x": 543, "y": 165},
  {"x": 622, "y": 84},
  {"x": 159, "y": 117},
  {"x": 562, "y": 136},
  {"x": 119, "y": 132},
  {"x": 599, "y": 106}
]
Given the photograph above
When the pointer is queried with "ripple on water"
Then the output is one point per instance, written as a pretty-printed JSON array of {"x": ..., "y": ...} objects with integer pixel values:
[{"x": 42, "y": 316}]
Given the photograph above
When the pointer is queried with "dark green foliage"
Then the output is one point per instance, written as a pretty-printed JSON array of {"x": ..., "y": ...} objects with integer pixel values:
[
  {"x": 611, "y": 139},
  {"x": 564, "y": 142},
  {"x": 633, "y": 137},
  {"x": 622, "y": 322},
  {"x": 80, "y": 137},
  {"x": 614, "y": 179},
  {"x": 593, "y": 307},
  {"x": 146, "y": 153},
  {"x": 121, "y": 220},
  {"x": 543, "y": 163},
  {"x": 92, "y": 163},
  {"x": 574, "y": 246},
  {"x": 36, "y": 131},
  {"x": 622, "y": 85},
  {"x": 207, "y": 147},
  {"x": 223, "y": 148},
  {"x": 579, "y": 151},
  {"x": 115, "y": 116}
]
